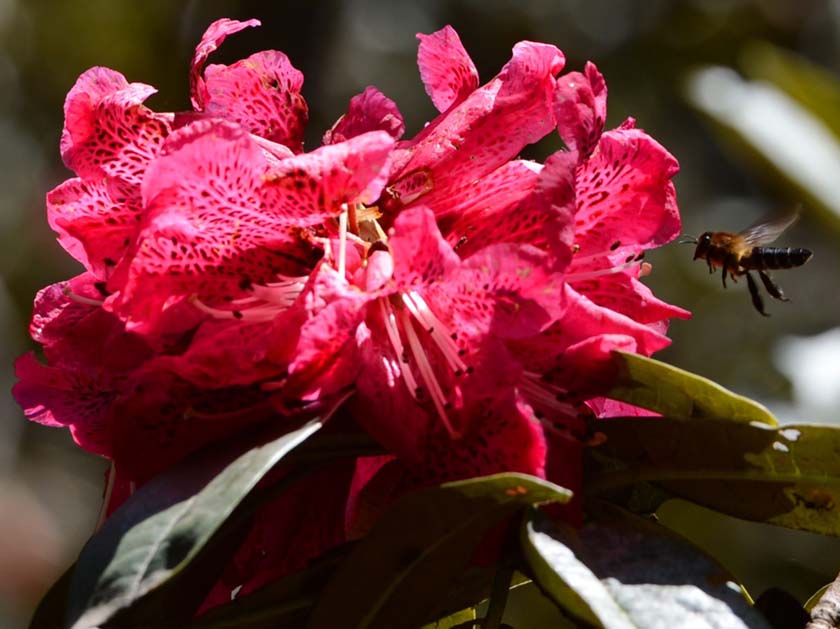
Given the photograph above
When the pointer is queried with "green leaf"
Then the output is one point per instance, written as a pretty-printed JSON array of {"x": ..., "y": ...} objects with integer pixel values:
[
  {"x": 163, "y": 527},
  {"x": 817, "y": 89},
  {"x": 673, "y": 392},
  {"x": 774, "y": 130},
  {"x": 789, "y": 476},
  {"x": 413, "y": 554},
  {"x": 623, "y": 572},
  {"x": 815, "y": 597},
  {"x": 282, "y": 604},
  {"x": 459, "y": 619}
]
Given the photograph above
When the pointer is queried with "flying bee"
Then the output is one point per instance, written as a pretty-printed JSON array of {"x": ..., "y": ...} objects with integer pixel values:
[{"x": 738, "y": 254}]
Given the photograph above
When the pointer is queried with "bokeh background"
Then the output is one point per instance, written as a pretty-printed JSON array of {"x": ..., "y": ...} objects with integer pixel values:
[{"x": 745, "y": 93}]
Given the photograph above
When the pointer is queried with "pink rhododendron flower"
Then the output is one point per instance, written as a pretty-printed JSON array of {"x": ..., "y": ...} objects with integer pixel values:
[{"x": 466, "y": 301}]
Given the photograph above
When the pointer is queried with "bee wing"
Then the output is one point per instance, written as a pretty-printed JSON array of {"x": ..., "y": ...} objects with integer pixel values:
[{"x": 766, "y": 231}]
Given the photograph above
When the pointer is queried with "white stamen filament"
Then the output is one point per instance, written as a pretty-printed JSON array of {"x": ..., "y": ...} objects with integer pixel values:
[
  {"x": 394, "y": 336},
  {"x": 424, "y": 315},
  {"x": 280, "y": 151},
  {"x": 281, "y": 293},
  {"x": 342, "y": 240},
  {"x": 264, "y": 312},
  {"x": 588, "y": 275},
  {"x": 597, "y": 256},
  {"x": 83, "y": 300},
  {"x": 426, "y": 371},
  {"x": 267, "y": 301},
  {"x": 543, "y": 394}
]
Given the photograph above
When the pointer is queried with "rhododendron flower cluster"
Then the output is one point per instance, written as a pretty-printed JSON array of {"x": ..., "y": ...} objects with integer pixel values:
[{"x": 463, "y": 301}]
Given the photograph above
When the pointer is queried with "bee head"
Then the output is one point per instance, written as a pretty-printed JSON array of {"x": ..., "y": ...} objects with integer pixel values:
[{"x": 703, "y": 243}]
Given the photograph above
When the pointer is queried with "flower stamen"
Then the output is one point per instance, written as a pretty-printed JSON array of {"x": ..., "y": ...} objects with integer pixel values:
[
  {"x": 436, "y": 329},
  {"x": 393, "y": 332},
  {"x": 342, "y": 240},
  {"x": 588, "y": 275},
  {"x": 427, "y": 372}
]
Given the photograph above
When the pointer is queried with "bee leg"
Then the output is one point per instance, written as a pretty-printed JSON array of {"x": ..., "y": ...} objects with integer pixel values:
[
  {"x": 723, "y": 275},
  {"x": 711, "y": 268},
  {"x": 756, "y": 297},
  {"x": 771, "y": 286}
]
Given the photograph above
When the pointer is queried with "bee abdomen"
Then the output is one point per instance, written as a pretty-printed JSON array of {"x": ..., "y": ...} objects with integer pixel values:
[{"x": 776, "y": 258}]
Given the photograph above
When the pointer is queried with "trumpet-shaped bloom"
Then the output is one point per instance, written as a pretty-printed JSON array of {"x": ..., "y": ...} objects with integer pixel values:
[{"x": 464, "y": 300}]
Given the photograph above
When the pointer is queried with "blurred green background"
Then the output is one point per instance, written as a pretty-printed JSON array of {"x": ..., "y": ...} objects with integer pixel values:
[{"x": 743, "y": 92}]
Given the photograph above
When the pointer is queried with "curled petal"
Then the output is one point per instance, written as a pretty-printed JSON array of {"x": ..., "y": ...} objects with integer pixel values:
[
  {"x": 96, "y": 220},
  {"x": 446, "y": 69},
  {"x": 55, "y": 314},
  {"x": 586, "y": 367},
  {"x": 490, "y": 127},
  {"x": 306, "y": 189},
  {"x": 316, "y": 337},
  {"x": 262, "y": 93},
  {"x": 369, "y": 111},
  {"x": 108, "y": 130},
  {"x": 580, "y": 108},
  {"x": 520, "y": 202},
  {"x": 210, "y": 41}
]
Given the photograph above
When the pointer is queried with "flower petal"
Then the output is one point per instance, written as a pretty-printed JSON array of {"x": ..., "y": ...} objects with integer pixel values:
[
  {"x": 55, "y": 313},
  {"x": 625, "y": 196},
  {"x": 486, "y": 130},
  {"x": 504, "y": 290},
  {"x": 518, "y": 203},
  {"x": 213, "y": 37},
  {"x": 307, "y": 189},
  {"x": 96, "y": 220},
  {"x": 625, "y": 294},
  {"x": 262, "y": 93},
  {"x": 486, "y": 211},
  {"x": 108, "y": 130},
  {"x": 206, "y": 232},
  {"x": 580, "y": 107},
  {"x": 446, "y": 69},
  {"x": 506, "y": 438},
  {"x": 421, "y": 256},
  {"x": 369, "y": 111},
  {"x": 222, "y": 354}
]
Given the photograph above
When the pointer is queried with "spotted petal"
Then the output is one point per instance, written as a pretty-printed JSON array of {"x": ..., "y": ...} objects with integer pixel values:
[
  {"x": 446, "y": 69},
  {"x": 369, "y": 111},
  {"x": 108, "y": 130},
  {"x": 307, "y": 189},
  {"x": 486, "y": 130},
  {"x": 625, "y": 198},
  {"x": 262, "y": 93},
  {"x": 206, "y": 232},
  {"x": 96, "y": 220},
  {"x": 213, "y": 37},
  {"x": 580, "y": 107}
]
